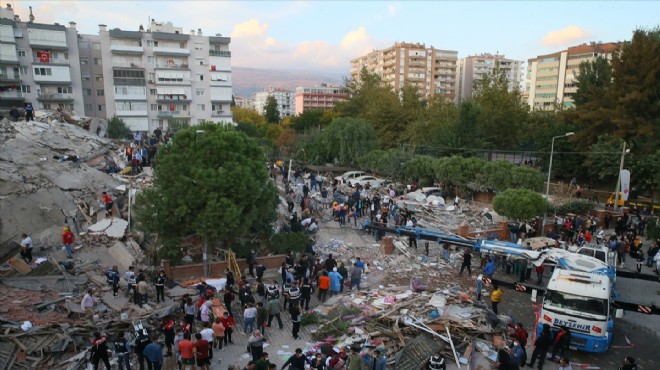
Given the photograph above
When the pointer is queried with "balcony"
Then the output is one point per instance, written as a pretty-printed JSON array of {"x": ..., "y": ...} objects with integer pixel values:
[
  {"x": 171, "y": 51},
  {"x": 126, "y": 49},
  {"x": 219, "y": 113},
  {"x": 16, "y": 95},
  {"x": 131, "y": 113},
  {"x": 38, "y": 60},
  {"x": 130, "y": 81},
  {"x": 172, "y": 113},
  {"x": 54, "y": 97},
  {"x": 219, "y": 53},
  {"x": 10, "y": 77},
  {"x": 173, "y": 99},
  {"x": 181, "y": 67}
]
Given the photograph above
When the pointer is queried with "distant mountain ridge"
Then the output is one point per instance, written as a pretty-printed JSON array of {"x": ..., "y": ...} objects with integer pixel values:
[{"x": 247, "y": 81}]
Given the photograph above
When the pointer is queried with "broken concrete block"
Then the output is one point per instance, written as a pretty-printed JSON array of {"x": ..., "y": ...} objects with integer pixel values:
[{"x": 113, "y": 227}]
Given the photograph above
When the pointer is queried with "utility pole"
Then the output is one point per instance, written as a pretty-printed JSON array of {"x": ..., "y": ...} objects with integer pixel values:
[{"x": 618, "y": 178}]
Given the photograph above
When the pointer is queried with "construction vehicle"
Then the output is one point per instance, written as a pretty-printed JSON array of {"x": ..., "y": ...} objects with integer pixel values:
[{"x": 580, "y": 294}]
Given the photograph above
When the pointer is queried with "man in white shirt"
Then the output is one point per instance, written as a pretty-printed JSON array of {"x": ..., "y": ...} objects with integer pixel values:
[
  {"x": 249, "y": 317},
  {"x": 26, "y": 252},
  {"x": 207, "y": 334},
  {"x": 87, "y": 304}
]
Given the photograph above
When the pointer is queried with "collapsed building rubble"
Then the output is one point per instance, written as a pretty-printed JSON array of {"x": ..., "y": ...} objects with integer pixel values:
[{"x": 51, "y": 174}]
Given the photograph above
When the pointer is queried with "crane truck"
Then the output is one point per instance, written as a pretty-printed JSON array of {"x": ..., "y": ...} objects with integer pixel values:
[{"x": 580, "y": 294}]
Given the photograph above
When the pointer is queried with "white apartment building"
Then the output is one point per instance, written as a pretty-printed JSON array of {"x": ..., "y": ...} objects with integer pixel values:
[
  {"x": 286, "y": 102},
  {"x": 162, "y": 76},
  {"x": 38, "y": 63},
  {"x": 551, "y": 78},
  {"x": 473, "y": 68},
  {"x": 242, "y": 102},
  {"x": 432, "y": 71}
]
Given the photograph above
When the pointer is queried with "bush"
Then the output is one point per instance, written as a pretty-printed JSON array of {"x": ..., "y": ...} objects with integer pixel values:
[
  {"x": 578, "y": 207},
  {"x": 117, "y": 129},
  {"x": 284, "y": 242}
]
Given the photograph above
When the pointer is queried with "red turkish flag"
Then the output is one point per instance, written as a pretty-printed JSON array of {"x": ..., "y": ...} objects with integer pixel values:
[
  {"x": 172, "y": 108},
  {"x": 213, "y": 68},
  {"x": 44, "y": 56}
]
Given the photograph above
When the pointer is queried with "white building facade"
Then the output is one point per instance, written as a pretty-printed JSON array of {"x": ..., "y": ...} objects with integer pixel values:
[
  {"x": 473, "y": 68},
  {"x": 286, "y": 101}
]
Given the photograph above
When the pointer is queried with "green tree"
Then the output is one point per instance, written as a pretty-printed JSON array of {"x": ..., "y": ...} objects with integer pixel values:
[
  {"x": 420, "y": 169},
  {"x": 519, "y": 203},
  {"x": 212, "y": 185},
  {"x": 117, "y": 129},
  {"x": 628, "y": 105},
  {"x": 388, "y": 163},
  {"x": 503, "y": 112},
  {"x": 602, "y": 159},
  {"x": 247, "y": 116},
  {"x": 307, "y": 120},
  {"x": 271, "y": 110},
  {"x": 346, "y": 140}
]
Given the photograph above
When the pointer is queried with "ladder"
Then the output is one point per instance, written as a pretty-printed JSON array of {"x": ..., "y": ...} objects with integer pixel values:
[{"x": 233, "y": 265}]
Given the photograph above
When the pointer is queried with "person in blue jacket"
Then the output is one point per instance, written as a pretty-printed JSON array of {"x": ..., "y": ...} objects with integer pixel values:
[
  {"x": 335, "y": 281},
  {"x": 489, "y": 269}
]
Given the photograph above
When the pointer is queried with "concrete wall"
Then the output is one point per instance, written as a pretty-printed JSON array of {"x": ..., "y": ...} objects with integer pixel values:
[{"x": 216, "y": 269}]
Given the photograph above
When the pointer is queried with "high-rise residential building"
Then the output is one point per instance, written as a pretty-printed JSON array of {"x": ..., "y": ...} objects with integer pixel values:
[
  {"x": 39, "y": 63},
  {"x": 162, "y": 76},
  {"x": 551, "y": 78},
  {"x": 432, "y": 71},
  {"x": 473, "y": 68},
  {"x": 324, "y": 96},
  {"x": 149, "y": 78},
  {"x": 242, "y": 102},
  {"x": 286, "y": 103}
]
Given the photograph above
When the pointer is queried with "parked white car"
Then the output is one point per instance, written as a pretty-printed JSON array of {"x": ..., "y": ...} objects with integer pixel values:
[
  {"x": 363, "y": 180},
  {"x": 350, "y": 175}
]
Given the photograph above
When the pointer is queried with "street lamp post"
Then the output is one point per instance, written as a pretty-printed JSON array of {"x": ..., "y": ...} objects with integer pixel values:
[
  {"x": 618, "y": 179},
  {"x": 547, "y": 187}
]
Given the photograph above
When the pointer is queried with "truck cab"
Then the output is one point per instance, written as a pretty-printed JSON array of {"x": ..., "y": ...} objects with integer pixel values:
[{"x": 581, "y": 302}]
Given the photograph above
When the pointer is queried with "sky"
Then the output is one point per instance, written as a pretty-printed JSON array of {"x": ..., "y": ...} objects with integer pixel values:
[{"x": 325, "y": 35}]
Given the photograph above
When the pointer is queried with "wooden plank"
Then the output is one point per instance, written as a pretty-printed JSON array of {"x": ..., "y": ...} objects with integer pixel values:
[{"x": 20, "y": 265}]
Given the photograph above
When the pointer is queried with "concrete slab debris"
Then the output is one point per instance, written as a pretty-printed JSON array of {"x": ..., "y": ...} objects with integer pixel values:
[{"x": 113, "y": 227}]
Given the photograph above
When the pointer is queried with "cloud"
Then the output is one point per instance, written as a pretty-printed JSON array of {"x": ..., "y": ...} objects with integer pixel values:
[
  {"x": 393, "y": 9},
  {"x": 253, "y": 46},
  {"x": 568, "y": 35}
]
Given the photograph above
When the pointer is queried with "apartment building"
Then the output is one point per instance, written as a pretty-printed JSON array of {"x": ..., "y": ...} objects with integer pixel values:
[
  {"x": 432, "y": 71},
  {"x": 324, "y": 96},
  {"x": 473, "y": 68},
  {"x": 242, "y": 102},
  {"x": 38, "y": 63},
  {"x": 551, "y": 78},
  {"x": 160, "y": 77},
  {"x": 286, "y": 102}
]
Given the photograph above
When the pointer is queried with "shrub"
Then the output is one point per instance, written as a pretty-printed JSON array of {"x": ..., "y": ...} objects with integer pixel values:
[{"x": 284, "y": 242}]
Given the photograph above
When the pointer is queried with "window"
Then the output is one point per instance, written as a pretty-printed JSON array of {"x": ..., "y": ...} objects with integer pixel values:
[
  {"x": 199, "y": 92},
  {"x": 151, "y": 60},
  {"x": 25, "y": 88},
  {"x": 100, "y": 107},
  {"x": 84, "y": 61},
  {"x": 87, "y": 92},
  {"x": 43, "y": 72},
  {"x": 201, "y": 77},
  {"x": 153, "y": 107},
  {"x": 150, "y": 43},
  {"x": 201, "y": 107},
  {"x": 100, "y": 92},
  {"x": 82, "y": 45},
  {"x": 199, "y": 46},
  {"x": 21, "y": 53},
  {"x": 64, "y": 90},
  {"x": 24, "y": 71},
  {"x": 86, "y": 77},
  {"x": 96, "y": 45},
  {"x": 153, "y": 92},
  {"x": 88, "y": 107},
  {"x": 99, "y": 78},
  {"x": 97, "y": 61},
  {"x": 152, "y": 76}
]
